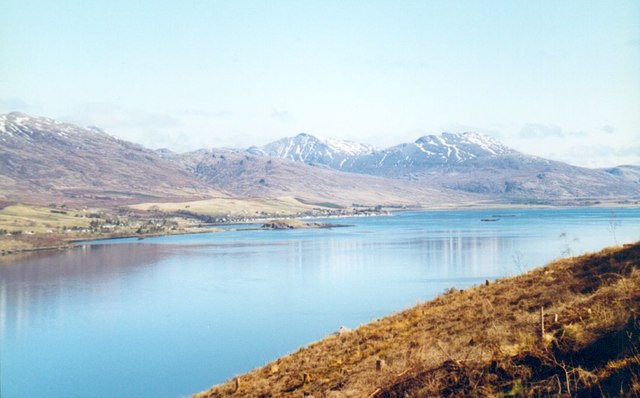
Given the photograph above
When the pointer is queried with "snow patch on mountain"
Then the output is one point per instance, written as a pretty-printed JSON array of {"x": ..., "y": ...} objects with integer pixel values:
[
  {"x": 427, "y": 151},
  {"x": 453, "y": 147},
  {"x": 348, "y": 147},
  {"x": 310, "y": 149},
  {"x": 3, "y": 127},
  {"x": 46, "y": 153},
  {"x": 16, "y": 124}
]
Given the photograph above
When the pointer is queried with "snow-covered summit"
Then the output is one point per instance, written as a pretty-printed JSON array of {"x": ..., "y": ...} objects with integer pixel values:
[
  {"x": 16, "y": 124},
  {"x": 310, "y": 149},
  {"x": 458, "y": 147},
  {"x": 427, "y": 151}
]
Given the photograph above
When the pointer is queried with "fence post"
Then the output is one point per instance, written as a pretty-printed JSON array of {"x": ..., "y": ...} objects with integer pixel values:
[{"x": 541, "y": 322}]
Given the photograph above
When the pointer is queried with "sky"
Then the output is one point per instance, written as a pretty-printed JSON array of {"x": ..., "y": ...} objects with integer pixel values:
[{"x": 557, "y": 79}]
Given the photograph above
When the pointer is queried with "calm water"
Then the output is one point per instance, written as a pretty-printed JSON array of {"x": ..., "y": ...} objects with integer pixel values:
[{"x": 170, "y": 316}]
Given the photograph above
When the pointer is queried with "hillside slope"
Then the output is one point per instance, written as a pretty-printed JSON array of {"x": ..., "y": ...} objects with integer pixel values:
[
  {"x": 247, "y": 175},
  {"x": 45, "y": 161},
  {"x": 628, "y": 172},
  {"x": 42, "y": 158},
  {"x": 466, "y": 162},
  {"x": 485, "y": 341}
]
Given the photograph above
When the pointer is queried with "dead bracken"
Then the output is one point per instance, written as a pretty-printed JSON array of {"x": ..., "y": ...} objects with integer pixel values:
[{"x": 570, "y": 328}]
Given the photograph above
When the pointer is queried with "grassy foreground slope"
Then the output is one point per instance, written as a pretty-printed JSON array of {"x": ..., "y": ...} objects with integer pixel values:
[{"x": 491, "y": 340}]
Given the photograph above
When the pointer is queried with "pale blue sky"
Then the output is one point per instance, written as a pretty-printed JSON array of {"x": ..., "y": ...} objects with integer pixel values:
[{"x": 559, "y": 79}]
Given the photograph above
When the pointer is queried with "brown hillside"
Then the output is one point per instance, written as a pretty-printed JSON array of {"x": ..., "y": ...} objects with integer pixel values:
[
  {"x": 43, "y": 160},
  {"x": 485, "y": 341},
  {"x": 247, "y": 175}
]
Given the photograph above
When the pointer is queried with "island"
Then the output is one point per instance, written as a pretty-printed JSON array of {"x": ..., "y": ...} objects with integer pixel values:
[{"x": 297, "y": 224}]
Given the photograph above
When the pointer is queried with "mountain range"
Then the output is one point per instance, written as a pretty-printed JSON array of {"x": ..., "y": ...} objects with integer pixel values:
[
  {"x": 468, "y": 162},
  {"x": 244, "y": 174},
  {"x": 44, "y": 159}
]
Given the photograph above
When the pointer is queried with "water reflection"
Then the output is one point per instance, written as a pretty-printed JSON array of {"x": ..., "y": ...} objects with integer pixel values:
[
  {"x": 37, "y": 285},
  {"x": 40, "y": 285},
  {"x": 170, "y": 316}
]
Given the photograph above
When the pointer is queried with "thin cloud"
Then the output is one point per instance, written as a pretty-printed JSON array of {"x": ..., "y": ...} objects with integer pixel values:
[
  {"x": 539, "y": 130},
  {"x": 604, "y": 155},
  {"x": 595, "y": 155},
  {"x": 111, "y": 116},
  {"x": 149, "y": 129},
  {"x": 15, "y": 105},
  {"x": 608, "y": 129},
  {"x": 282, "y": 116},
  {"x": 461, "y": 128}
]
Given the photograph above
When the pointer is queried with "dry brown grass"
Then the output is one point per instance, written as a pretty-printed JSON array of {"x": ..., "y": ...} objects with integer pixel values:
[
  {"x": 38, "y": 219},
  {"x": 236, "y": 207},
  {"x": 484, "y": 341},
  {"x": 27, "y": 227},
  {"x": 16, "y": 244}
]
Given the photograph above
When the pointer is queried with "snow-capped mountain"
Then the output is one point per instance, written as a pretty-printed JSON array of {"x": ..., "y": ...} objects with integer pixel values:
[
  {"x": 452, "y": 147},
  {"x": 16, "y": 126},
  {"x": 46, "y": 156},
  {"x": 248, "y": 175},
  {"x": 469, "y": 162},
  {"x": 41, "y": 157},
  {"x": 306, "y": 148},
  {"x": 430, "y": 152}
]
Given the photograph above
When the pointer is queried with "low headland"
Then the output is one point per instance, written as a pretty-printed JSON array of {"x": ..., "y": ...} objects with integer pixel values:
[
  {"x": 36, "y": 227},
  {"x": 297, "y": 224},
  {"x": 570, "y": 328},
  {"x": 26, "y": 228}
]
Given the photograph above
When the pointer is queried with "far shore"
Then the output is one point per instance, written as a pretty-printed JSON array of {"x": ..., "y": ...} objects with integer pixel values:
[
  {"x": 64, "y": 243},
  {"x": 60, "y": 241}
]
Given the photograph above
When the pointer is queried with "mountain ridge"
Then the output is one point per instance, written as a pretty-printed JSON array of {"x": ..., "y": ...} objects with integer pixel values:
[
  {"x": 311, "y": 149},
  {"x": 43, "y": 157},
  {"x": 40, "y": 156},
  {"x": 247, "y": 175},
  {"x": 476, "y": 163}
]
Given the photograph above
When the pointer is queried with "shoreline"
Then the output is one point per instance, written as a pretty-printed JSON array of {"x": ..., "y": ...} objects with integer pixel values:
[
  {"x": 205, "y": 229},
  {"x": 507, "y": 337},
  {"x": 66, "y": 244},
  {"x": 76, "y": 243}
]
